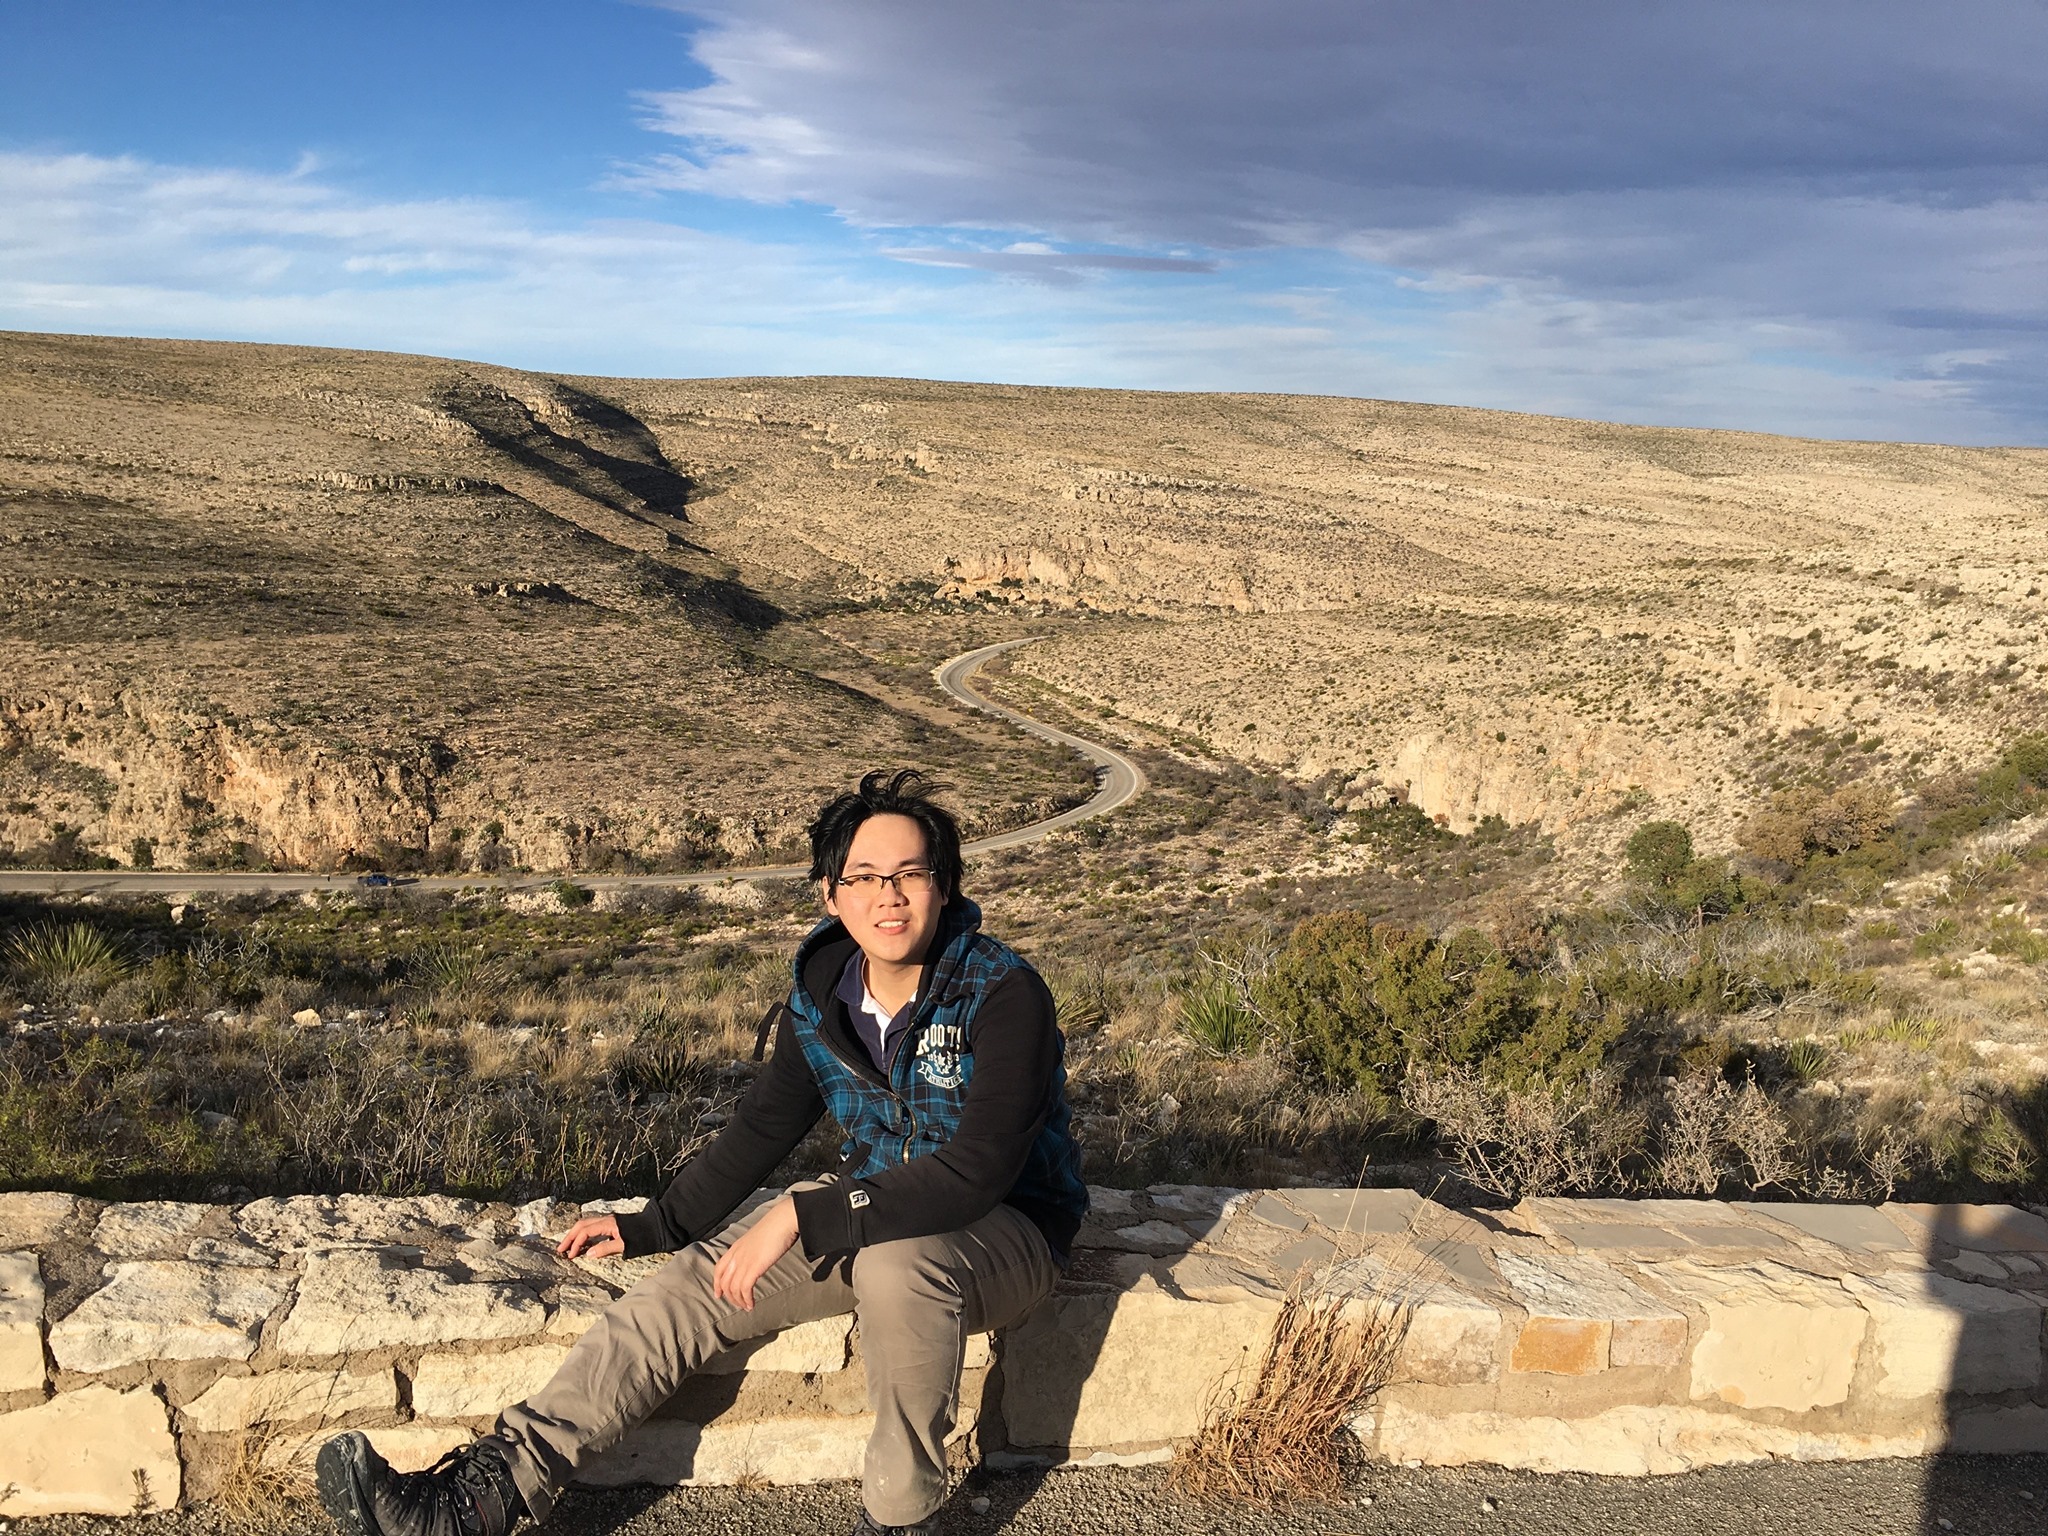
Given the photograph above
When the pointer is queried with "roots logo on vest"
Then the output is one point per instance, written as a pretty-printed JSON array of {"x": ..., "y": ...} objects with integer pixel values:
[{"x": 938, "y": 1055}]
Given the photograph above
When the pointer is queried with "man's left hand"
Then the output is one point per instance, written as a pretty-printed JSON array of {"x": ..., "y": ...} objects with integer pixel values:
[{"x": 756, "y": 1252}]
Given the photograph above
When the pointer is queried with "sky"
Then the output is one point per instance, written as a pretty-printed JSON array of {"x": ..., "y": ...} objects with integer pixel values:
[{"x": 1827, "y": 218}]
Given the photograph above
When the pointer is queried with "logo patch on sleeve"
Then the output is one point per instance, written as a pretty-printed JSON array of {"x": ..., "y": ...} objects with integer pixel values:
[{"x": 858, "y": 1199}]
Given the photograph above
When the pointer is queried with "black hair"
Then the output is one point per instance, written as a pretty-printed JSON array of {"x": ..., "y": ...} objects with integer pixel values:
[{"x": 903, "y": 793}]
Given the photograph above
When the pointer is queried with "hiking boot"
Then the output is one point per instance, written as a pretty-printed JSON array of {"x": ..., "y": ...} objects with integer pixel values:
[
  {"x": 468, "y": 1492},
  {"x": 868, "y": 1527}
]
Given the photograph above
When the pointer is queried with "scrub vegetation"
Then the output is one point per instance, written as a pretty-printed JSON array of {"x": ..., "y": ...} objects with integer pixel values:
[{"x": 1847, "y": 1005}]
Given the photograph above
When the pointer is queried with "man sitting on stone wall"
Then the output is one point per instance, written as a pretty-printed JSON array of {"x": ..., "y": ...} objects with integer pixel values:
[{"x": 958, "y": 1192}]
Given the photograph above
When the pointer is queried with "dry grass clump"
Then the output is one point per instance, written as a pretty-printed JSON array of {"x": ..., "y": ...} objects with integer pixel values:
[
  {"x": 1279, "y": 1434},
  {"x": 252, "y": 1489}
]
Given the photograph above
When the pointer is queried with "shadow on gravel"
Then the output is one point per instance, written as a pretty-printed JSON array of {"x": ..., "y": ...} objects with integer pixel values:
[
  {"x": 1997, "y": 1399},
  {"x": 600, "y": 1512}
]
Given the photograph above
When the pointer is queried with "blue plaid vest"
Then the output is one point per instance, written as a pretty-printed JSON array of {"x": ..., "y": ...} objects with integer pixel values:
[{"x": 919, "y": 1110}]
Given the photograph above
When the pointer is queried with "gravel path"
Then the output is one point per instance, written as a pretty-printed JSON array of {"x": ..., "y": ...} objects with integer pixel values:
[{"x": 1970, "y": 1496}]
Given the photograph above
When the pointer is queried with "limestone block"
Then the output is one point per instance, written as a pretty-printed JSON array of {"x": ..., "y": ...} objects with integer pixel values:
[
  {"x": 21, "y": 1323},
  {"x": 1451, "y": 1336},
  {"x": 1205, "y": 1277},
  {"x": 1936, "y": 1334},
  {"x": 1980, "y": 1265},
  {"x": 408, "y": 1447},
  {"x": 449, "y": 1386},
  {"x": 35, "y": 1218},
  {"x": 298, "y": 1223},
  {"x": 1619, "y": 1442},
  {"x": 1146, "y": 1237},
  {"x": 1584, "y": 1316},
  {"x": 670, "y": 1452},
  {"x": 1199, "y": 1208},
  {"x": 1307, "y": 1253},
  {"x": 1858, "y": 1228},
  {"x": 1775, "y": 1338},
  {"x": 1275, "y": 1212},
  {"x": 1127, "y": 1368},
  {"x": 1625, "y": 1236},
  {"x": 1467, "y": 1262},
  {"x": 92, "y": 1452},
  {"x": 1358, "y": 1211},
  {"x": 979, "y": 1353},
  {"x": 808, "y": 1349},
  {"x": 1193, "y": 1199},
  {"x": 235, "y": 1250},
  {"x": 285, "y": 1397},
  {"x": 2021, "y": 1430},
  {"x": 1111, "y": 1205},
  {"x": 486, "y": 1260},
  {"x": 147, "y": 1229},
  {"x": 576, "y": 1308},
  {"x": 167, "y": 1309},
  {"x": 1986, "y": 1228},
  {"x": 351, "y": 1301}
]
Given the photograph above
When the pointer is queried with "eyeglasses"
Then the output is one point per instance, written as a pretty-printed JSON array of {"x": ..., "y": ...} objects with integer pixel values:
[{"x": 905, "y": 882}]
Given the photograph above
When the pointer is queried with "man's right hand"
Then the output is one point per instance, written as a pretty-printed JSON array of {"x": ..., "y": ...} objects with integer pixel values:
[{"x": 594, "y": 1237}]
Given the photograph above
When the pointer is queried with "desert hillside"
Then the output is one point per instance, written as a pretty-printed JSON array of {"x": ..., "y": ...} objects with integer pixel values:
[{"x": 298, "y": 606}]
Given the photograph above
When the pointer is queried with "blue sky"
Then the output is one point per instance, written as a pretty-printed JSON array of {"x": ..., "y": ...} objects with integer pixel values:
[{"x": 1828, "y": 219}]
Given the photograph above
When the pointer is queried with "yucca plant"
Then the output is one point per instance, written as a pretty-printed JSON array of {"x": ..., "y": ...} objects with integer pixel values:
[
  {"x": 1214, "y": 1018},
  {"x": 71, "y": 962}
]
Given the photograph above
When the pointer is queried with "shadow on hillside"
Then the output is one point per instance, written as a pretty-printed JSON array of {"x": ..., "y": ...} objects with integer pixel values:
[
  {"x": 631, "y": 486},
  {"x": 1997, "y": 1398}
]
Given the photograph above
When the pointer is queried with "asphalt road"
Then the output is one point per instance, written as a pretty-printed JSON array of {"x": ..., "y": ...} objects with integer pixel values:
[
  {"x": 1119, "y": 779},
  {"x": 1966, "y": 1496}
]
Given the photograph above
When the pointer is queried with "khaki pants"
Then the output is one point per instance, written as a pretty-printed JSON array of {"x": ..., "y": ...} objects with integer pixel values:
[{"x": 914, "y": 1301}]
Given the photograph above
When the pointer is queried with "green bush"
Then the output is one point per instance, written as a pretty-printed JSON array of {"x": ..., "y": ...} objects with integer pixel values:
[
  {"x": 1364, "y": 1002},
  {"x": 570, "y": 894},
  {"x": 1664, "y": 872},
  {"x": 1659, "y": 853}
]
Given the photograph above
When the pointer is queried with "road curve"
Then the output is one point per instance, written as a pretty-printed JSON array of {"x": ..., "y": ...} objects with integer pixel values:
[{"x": 1119, "y": 780}]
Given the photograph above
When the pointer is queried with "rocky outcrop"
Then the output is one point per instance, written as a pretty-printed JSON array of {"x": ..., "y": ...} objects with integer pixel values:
[{"x": 145, "y": 1349}]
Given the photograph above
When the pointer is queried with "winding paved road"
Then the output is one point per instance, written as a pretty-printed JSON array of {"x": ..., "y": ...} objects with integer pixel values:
[{"x": 1119, "y": 781}]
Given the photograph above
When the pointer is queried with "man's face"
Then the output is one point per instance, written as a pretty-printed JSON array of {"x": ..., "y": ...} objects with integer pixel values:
[{"x": 892, "y": 925}]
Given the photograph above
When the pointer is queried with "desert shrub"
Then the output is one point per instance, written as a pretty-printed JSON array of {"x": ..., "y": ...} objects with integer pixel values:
[
  {"x": 1710, "y": 1132},
  {"x": 1806, "y": 821},
  {"x": 1658, "y": 853},
  {"x": 2013, "y": 787},
  {"x": 452, "y": 968},
  {"x": 144, "y": 1113},
  {"x": 1572, "y": 1134},
  {"x": 570, "y": 894},
  {"x": 65, "y": 963},
  {"x": 1216, "y": 1020},
  {"x": 1363, "y": 1002},
  {"x": 1664, "y": 876}
]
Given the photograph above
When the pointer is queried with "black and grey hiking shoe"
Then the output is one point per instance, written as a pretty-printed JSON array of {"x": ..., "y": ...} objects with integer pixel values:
[{"x": 468, "y": 1492}]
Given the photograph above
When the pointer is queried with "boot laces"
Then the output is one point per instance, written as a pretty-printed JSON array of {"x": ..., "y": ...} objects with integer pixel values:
[{"x": 468, "y": 1480}]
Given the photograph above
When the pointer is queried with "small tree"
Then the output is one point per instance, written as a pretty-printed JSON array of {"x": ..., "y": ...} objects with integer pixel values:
[{"x": 1659, "y": 853}]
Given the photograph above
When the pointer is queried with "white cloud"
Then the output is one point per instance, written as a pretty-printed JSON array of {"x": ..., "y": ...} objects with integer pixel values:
[
  {"x": 1868, "y": 177},
  {"x": 129, "y": 247}
]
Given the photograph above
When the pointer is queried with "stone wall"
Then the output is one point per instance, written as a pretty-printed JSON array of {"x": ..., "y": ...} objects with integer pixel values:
[{"x": 151, "y": 1353}]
